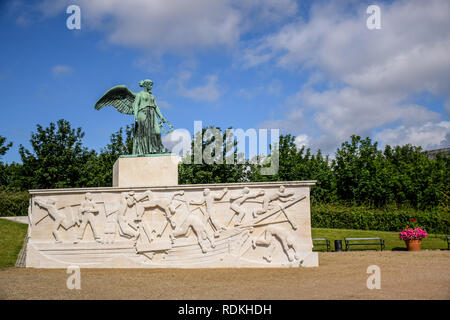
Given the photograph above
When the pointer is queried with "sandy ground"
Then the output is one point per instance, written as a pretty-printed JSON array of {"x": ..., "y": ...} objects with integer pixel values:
[{"x": 404, "y": 275}]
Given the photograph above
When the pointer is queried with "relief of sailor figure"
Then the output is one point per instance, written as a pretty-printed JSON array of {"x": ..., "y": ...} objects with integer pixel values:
[
  {"x": 198, "y": 223},
  {"x": 281, "y": 194},
  {"x": 127, "y": 226},
  {"x": 285, "y": 237},
  {"x": 59, "y": 217},
  {"x": 87, "y": 214},
  {"x": 238, "y": 200},
  {"x": 152, "y": 201},
  {"x": 210, "y": 214}
]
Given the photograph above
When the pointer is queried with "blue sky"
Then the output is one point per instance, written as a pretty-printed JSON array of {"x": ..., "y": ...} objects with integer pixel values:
[{"x": 312, "y": 69}]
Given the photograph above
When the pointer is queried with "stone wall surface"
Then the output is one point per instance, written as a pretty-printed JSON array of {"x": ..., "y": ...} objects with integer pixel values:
[{"x": 182, "y": 226}]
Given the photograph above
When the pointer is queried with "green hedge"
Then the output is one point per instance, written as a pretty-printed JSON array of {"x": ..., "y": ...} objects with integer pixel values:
[
  {"x": 363, "y": 218},
  {"x": 14, "y": 204}
]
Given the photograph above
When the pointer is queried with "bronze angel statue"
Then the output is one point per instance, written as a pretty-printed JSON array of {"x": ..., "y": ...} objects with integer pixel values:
[{"x": 147, "y": 127}]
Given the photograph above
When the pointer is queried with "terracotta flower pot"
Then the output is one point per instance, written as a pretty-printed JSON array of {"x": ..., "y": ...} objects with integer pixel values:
[{"x": 413, "y": 245}]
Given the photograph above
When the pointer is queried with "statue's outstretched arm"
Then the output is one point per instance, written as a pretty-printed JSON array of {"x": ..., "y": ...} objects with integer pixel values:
[
  {"x": 163, "y": 120},
  {"x": 158, "y": 112}
]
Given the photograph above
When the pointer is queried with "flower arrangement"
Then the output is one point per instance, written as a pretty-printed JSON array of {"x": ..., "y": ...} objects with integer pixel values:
[{"x": 413, "y": 232}]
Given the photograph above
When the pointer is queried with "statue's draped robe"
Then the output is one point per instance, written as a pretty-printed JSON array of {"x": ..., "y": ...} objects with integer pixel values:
[{"x": 147, "y": 134}]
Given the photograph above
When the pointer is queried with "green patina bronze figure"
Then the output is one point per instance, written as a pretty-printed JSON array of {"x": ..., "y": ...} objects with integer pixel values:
[{"x": 147, "y": 126}]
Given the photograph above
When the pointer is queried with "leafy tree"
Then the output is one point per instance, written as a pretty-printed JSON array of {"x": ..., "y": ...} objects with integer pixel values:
[
  {"x": 192, "y": 173},
  {"x": 321, "y": 171},
  {"x": 3, "y": 167},
  {"x": 300, "y": 164},
  {"x": 57, "y": 159},
  {"x": 359, "y": 172},
  {"x": 415, "y": 179},
  {"x": 99, "y": 167},
  {"x": 3, "y": 147}
]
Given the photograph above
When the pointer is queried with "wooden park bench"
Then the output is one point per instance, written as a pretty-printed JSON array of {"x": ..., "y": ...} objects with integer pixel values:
[
  {"x": 448, "y": 242},
  {"x": 322, "y": 242},
  {"x": 363, "y": 242}
]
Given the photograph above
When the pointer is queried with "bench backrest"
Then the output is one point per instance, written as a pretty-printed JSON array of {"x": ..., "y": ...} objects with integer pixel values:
[{"x": 377, "y": 238}]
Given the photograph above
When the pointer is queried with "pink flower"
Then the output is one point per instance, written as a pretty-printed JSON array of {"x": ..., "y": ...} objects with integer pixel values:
[{"x": 412, "y": 234}]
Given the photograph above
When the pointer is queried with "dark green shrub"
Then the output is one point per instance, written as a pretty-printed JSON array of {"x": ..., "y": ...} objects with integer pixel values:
[
  {"x": 390, "y": 219},
  {"x": 14, "y": 204}
]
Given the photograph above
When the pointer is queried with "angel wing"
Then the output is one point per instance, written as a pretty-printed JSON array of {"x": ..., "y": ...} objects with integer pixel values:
[{"x": 120, "y": 97}]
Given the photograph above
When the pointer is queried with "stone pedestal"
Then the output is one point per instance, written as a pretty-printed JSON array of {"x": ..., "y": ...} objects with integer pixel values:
[{"x": 145, "y": 171}]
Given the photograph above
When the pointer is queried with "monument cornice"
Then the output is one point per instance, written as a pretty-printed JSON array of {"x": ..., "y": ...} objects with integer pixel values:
[{"x": 301, "y": 183}]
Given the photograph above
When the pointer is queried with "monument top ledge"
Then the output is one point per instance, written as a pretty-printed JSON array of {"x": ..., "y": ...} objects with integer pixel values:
[
  {"x": 166, "y": 154},
  {"x": 300, "y": 183}
]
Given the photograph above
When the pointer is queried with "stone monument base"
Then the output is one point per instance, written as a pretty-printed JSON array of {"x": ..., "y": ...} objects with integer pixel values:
[
  {"x": 261, "y": 224},
  {"x": 145, "y": 171}
]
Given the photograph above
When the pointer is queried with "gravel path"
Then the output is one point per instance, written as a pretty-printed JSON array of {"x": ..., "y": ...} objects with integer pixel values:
[
  {"x": 20, "y": 219},
  {"x": 404, "y": 275}
]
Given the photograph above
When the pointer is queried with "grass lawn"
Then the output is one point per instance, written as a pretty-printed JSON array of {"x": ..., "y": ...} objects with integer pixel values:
[
  {"x": 391, "y": 240},
  {"x": 12, "y": 235}
]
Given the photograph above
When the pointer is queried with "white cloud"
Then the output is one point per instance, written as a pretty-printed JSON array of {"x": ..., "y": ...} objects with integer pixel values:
[
  {"x": 447, "y": 107},
  {"x": 176, "y": 26},
  {"x": 292, "y": 124},
  {"x": 158, "y": 26},
  {"x": 264, "y": 13},
  {"x": 208, "y": 92},
  {"x": 339, "y": 43},
  {"x": 60, "y": 70},
  {"x": 301, "y": 140},
  {"x": 429, "y": 135},
  {"x": 372, "y": 77}
]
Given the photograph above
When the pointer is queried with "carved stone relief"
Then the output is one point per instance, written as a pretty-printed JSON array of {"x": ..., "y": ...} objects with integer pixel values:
[{"x": 213, "y": 226}]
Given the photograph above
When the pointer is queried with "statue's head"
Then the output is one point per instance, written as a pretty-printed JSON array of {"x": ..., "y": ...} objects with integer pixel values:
[
  {"x": 88, "y": 196},
  {"x": 206, "y": 192},
  {"x": 147, "y": 83}
]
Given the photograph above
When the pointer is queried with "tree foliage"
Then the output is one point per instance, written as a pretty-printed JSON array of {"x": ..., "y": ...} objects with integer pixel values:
[
  {"x": 98, "y": 169},
  {"x": 191, "y": 173},
  {"x": 359, "y": 174},
  {"x": 3, "y": 147},
  {"x": 295, "y": 164},
  {"x": 57, "y": 158},
  {"x": 359, "y": 170},
  {"x": 4, "y": 168}
]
